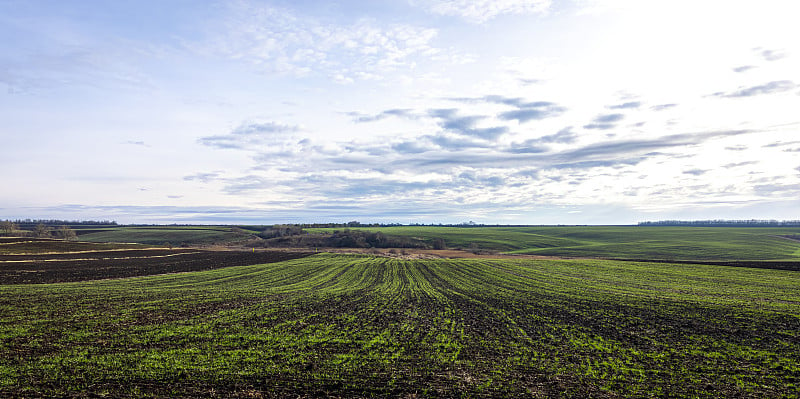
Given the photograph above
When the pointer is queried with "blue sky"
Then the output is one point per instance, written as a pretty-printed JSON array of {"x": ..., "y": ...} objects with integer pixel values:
[{"x": 410, "y": 111}]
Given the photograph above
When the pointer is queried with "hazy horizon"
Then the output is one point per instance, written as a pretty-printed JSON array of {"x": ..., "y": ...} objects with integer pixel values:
[{"x": 525, "y": 112}]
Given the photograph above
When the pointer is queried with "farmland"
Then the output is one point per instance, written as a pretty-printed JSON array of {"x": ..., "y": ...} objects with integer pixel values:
[
  {"x": 356, "y": 325},
  {"x": 160, "y": 235},
  {"x": 34, "y": 260},
  {"x": 626, "y": 242},
  {"x": 618, "y": 242}
]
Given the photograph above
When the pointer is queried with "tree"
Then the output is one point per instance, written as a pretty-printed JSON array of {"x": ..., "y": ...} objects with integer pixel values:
[
  {"x": 438, "y": 243},
  {"x": 281, "y": 230},
  {"x": 41, "y": 230},
  {"x": 66, "y": 233},
  {"x": 8, "y": 227}
]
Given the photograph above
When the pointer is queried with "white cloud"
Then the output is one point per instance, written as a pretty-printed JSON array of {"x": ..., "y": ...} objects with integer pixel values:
[
  {"x": 276, "y": 40},
  {"x": 254, "y": 136},
  {"x": 383, "y": 107},
  {"x": 480, "y": 11}
]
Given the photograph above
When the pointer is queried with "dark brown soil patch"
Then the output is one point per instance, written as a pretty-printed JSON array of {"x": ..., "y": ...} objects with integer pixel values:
[
  {"x": 85, "y": 268},
  {"x": 757, "y": 264}
]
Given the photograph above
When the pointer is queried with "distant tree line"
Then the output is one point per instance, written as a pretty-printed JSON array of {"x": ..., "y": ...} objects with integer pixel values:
[
  {"x": 353, "y": 223},
  {"x": 320, "y": 225},
  {"x": 30, "y": 224},
  {"x": 725, "y": 223},
  {"x": 356, "y": 224},
  {"x": 58, "y": 222}
]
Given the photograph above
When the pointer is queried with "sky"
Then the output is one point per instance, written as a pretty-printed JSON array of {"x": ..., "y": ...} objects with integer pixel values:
[{"x": 400, "y": 111}]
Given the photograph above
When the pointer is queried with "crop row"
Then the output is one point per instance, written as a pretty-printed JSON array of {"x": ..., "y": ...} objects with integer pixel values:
[{"x": 369, "y": 326}]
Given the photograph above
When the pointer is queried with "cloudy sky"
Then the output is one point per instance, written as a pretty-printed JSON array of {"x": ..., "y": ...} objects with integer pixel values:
[{"x": 409, "y": 111}]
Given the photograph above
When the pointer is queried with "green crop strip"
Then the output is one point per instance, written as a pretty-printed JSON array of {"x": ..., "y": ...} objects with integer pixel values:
[
  {"x": 370, "y": 326},
  {"x": 158, "y": 235},
  {"x": 625, "y": 242}
]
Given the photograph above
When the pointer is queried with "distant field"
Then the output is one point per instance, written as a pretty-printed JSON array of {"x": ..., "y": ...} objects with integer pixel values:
[
  {"x": 616, "y": 242},
  {"x": 36, "y": 260},
  {"x": 23, "y": 245},
  {"x": 628, "y": 242},
  {"x": 369, "y": 326},
  {"x": 161, "y": 235}
]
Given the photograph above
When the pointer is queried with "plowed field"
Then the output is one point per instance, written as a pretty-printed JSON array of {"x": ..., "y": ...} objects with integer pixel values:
[
  {"x": 58, "y": 268},
  {"x": 24, "y": 245}
]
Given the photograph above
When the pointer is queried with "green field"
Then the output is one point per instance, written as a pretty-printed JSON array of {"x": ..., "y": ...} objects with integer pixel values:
[
  {"x": 371, "y": 326},
  {"x": 627, "y": 242},
  {"x": 160, "y": 235},
  {"x": 614, "y": 242}
]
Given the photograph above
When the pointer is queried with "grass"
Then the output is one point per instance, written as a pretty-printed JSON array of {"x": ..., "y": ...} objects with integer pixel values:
[
  {"x": 370, "y": 326},
  {"x": 628, "y": 242}
]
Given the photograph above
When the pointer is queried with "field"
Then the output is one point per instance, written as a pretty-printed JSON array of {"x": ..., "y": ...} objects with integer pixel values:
[
  {"x": 24, "y": 245},
  {"x": 361, "y": 326},
  {"x": 163, "y": 235},
  {"x": 623, "y": 242},
  {"x": 610, "y": 242},
  {"x": 52, "y": 261}
]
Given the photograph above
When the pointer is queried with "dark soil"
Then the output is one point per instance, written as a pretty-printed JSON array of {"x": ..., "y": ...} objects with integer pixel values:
[
  {"x": 100, "y": 255},
  {"x": 97, "y": 255},
  {"x": 25, "y": 245},
  {"x": 89, "y": 266},
  {"x": 757, "y": 264},
  {"x": 8, "y": 240}
]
